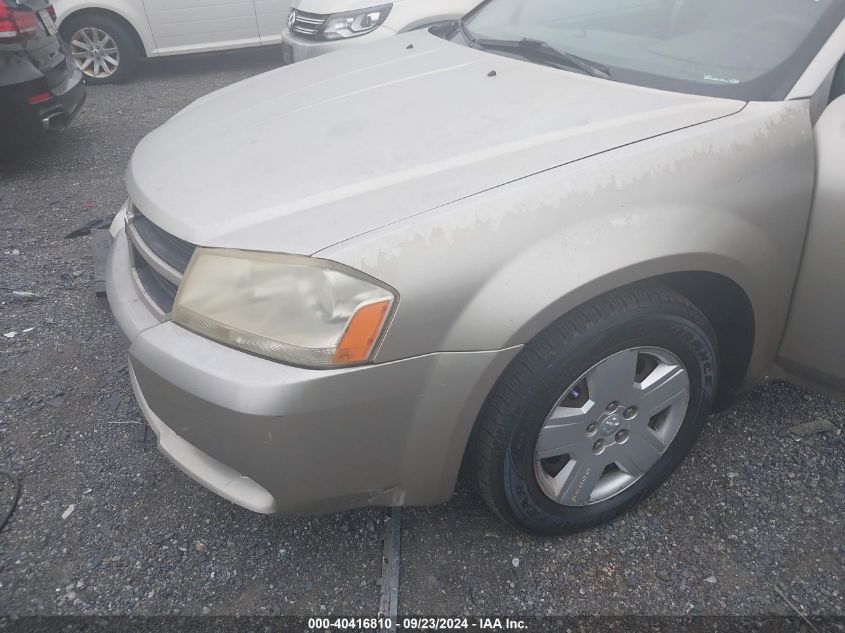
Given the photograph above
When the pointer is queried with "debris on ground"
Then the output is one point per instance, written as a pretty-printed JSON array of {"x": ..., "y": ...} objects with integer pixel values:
[
  {"x": 86, "y": 229},
  {"x": 780, "y": 592},
  {"x": 23, "y": 295},
  {"x": 16, "y": 495},
  {"x": 14, "y": 333},
  {"x": 68, "y": 511},
  {"x": 100, "y": 246},
  {"x": 114, "y": 402},
  {"x": 812, "y": 428},
  {"x": 141, "y": 432}
]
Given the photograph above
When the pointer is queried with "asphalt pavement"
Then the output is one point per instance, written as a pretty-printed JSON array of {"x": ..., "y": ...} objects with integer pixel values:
[{"x": 107, "y": 526}]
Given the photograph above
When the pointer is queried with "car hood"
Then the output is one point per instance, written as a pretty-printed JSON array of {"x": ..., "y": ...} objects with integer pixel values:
[{"x": 303, "y": 157}]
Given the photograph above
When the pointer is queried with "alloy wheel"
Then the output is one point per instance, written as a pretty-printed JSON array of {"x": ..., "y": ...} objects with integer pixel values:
[
  {"x": 95, "y": 52},
  {"x": 611, "y": 426}
]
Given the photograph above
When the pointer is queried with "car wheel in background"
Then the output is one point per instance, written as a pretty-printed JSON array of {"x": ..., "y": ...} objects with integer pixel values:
[
  {"x": 103, "y": 48},
  {"x": 597, "y": 411}
]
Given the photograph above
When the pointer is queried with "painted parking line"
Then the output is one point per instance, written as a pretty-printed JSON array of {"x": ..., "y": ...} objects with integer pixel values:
[{"x": 389, "y": 604}]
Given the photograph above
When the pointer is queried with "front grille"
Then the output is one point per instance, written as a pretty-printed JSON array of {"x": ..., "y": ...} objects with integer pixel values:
[
  {"x": 170, "y": 248},
  {"x": 158, "y": 288},
  {"x": 159, "y": 260},
  {"x": 308, "y": 24}
]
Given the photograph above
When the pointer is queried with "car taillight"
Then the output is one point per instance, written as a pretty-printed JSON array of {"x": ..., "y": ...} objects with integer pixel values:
[
  {"x": 16, "y": 25},
  {"x": 8, "y": 28},
  {"x": 41, "y": 97}
]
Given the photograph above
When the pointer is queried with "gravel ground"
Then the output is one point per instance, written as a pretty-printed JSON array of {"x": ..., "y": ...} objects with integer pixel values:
[{"x": 106, "y": 525}]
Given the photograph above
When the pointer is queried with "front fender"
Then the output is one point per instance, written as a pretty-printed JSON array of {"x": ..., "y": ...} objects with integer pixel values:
[{"x": 731, "y": 197}]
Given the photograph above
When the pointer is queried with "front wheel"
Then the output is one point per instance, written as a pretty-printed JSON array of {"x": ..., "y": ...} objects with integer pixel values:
[
  {"x": 597, "y": 411},
  {"x": 103, "y": 48}
]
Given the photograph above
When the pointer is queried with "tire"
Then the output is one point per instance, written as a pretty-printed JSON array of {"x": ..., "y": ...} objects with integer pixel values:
[
  {"x": 647, "y": 330},
  {"x": 121, "y": 35}
]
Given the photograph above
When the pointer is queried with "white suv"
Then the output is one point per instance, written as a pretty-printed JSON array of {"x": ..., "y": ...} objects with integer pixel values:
[
  {"x": 315, "y": 27},
  {"x": 109, "y": 37}
]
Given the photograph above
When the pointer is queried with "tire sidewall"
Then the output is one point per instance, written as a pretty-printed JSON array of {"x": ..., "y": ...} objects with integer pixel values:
[{"x": 667, "y": 329}]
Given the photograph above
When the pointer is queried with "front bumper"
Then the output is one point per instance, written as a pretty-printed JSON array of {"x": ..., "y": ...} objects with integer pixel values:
[
  {"x": 296, "y": 49},
  {"x": 276, "y": 438}
]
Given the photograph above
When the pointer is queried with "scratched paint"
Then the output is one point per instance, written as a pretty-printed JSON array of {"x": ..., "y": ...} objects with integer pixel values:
[
  {"x": 730, "y": 196},
  {"x": 581, "y": 188}
]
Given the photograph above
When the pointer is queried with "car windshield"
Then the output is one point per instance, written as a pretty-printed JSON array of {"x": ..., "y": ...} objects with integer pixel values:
[{"x": 743, "y": 49}]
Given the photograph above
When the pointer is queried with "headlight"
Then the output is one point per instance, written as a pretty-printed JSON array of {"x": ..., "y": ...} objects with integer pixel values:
[
  {"x": 299, "y": 310},
  {"x": 354, "y": 23}
]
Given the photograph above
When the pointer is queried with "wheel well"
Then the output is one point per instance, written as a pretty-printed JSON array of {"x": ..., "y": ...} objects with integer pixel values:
[
  {"x": 731, "y": 314},
  {"x": 109, "y": 14},
  {"x": 729, "y": 311}
]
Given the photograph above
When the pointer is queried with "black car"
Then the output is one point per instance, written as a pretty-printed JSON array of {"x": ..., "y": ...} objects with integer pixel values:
[{"x": 39, "y": 81}]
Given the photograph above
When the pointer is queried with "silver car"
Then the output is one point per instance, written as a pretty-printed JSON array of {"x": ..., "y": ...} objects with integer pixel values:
[{"x": 544, "y": 242}]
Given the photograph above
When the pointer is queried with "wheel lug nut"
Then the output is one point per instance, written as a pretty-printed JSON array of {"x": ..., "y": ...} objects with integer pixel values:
[
  {"x": 613, "y": 406},
  {"x": 592, "y": 428},
  {"x": 598, "y": 446},
  {"x": 621, "y": 436},
  {"x": 630, "y": 412}
]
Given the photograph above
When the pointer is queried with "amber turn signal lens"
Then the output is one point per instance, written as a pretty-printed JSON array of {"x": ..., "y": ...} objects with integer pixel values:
[{"x": 361, "y": 333}]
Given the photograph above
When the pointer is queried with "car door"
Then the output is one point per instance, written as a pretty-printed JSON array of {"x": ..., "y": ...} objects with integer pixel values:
[
  {"x": 813, "y": 347},
  {"x": 272, "y": 15},
  {"x": 190, "y": 26}
]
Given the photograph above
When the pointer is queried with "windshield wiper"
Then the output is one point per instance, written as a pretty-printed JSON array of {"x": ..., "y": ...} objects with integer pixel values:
[{"x": 538, "y": 51}]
